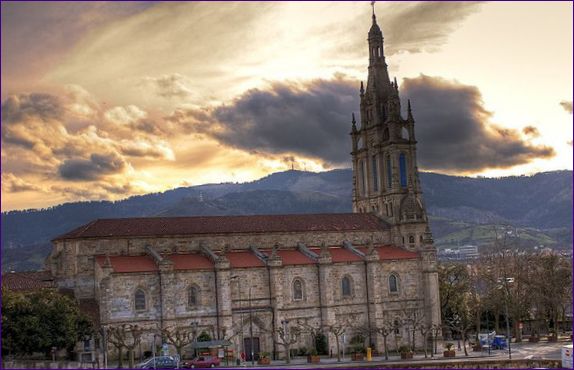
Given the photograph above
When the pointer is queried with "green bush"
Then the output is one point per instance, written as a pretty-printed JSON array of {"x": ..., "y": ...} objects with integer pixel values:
[{"x": 321, "y": 344}]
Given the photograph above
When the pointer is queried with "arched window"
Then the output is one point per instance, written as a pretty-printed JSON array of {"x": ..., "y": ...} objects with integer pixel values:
[
  {"x": 389, "y": 173},
  {"x": 393, "y": 284},
  {"x": 193, "y": 296},
  {"x": 403, "y": 169},
  {"x": 411, "y": 239},
  {"x": 139, "y": 300},
  {"x": 297, "y": 290},
  {"x": 346, "y": 287}
]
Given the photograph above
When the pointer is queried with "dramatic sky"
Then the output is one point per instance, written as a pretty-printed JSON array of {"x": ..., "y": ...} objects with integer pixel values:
[{"x": 105, "y": 100}]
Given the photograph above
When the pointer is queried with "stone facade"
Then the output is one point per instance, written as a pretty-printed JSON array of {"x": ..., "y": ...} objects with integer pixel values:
[{"x": 248, "y": 275}]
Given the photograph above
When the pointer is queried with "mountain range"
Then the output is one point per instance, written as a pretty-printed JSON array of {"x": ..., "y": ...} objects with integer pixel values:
[{"x": 462, "y": 210}]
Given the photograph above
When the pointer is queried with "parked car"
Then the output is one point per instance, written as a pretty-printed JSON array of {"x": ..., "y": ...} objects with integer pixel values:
[
  {"x": 201, "y": 361},
  {"x": 159, "y": 362},
  {"x": 499, "y": 342}
]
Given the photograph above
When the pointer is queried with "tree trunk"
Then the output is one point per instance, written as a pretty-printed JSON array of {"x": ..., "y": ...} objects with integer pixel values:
[
  {"x": 425, "y": 344},
  {"x": 120, "y": 357},
  {"x": 287, "y": 353},
  {"x": 386, "y": 349},
  {"x": 338, "y": 349},
  {"x": 414, "y": 339},
  {"x": 464, "y": 342},
  {"x": 396, "y": 344},
  {"x": 131, "y": 358}
]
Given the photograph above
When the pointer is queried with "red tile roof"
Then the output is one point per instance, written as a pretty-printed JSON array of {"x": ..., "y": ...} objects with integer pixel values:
[
  {"x": 291, "y": 257},
  {"x": 389, "y": 252},
  {"x": 27, "y": 280},
  {"x": 193, "y": 261},
  {"x": 243, "y": 259},
  {"x": 339, "y": 254},
  {"x": 129, "y": 263},
  {"x": 170, "y": 226}
]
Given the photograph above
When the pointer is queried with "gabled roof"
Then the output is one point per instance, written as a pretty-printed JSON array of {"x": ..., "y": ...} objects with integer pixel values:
[
  {"x": 390, "y": 252},
  {"x": 129, "y": 263},
  {"x": 182, "y": 226},
  {"x": 27, "y": 280},
  {"x": 339, "y": 254},
  {"x": 243, "y": 259}
]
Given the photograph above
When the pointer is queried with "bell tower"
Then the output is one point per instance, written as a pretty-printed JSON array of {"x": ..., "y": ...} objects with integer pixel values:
[{"x": 385, "y": 173}]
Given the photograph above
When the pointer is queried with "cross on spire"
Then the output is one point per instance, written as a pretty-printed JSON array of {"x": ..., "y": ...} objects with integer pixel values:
[{"x": 373, "y": 6}]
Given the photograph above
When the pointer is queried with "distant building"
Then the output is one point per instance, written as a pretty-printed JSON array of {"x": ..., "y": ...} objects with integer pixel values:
[
  {"x": 462, "y": 253},
  {"x": 368, "y": 267}
]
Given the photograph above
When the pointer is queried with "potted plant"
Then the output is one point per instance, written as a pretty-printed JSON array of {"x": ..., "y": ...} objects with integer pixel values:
[
  {"x": 313, "y": 357},
  {"x": 264, "y": 358},
  {"x": 449, "y": 350},
  {"x": 406, "y": 352},
  {"x": 553, "y": 337},
  {"x": 534, "y": 338},
  {"x": 358, "y": 353}
]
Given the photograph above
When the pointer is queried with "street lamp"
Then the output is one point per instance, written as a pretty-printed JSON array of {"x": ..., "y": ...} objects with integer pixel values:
[
  {"x": 251, "y": 329},
  {"x": 503, "y": 283}
]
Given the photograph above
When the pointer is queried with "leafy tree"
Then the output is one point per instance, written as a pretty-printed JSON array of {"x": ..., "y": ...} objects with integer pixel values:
[
  {"x": 38, "y": 321},
  {"x": 203, "y": 337}
]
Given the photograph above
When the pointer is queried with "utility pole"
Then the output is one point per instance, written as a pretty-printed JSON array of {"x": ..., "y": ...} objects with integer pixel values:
[{"x": 251, "y": 329}]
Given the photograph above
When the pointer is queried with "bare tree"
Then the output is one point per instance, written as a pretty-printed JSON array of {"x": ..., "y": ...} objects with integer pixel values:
[
  {"x": 425, "y": 330},
  {"x": 385, "y": 329},
  {"x": 412, "y": 319},
  {"x": 338, "y": 330},
  {"x": 126, "y": 336},
  {"x": 286, "y": 337},
  {"x": 314, "y": 329},
  {"x": 179, "y": 337}
]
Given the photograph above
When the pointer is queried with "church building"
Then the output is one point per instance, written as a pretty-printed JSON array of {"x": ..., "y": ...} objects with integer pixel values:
[{"x": 241, "y": 278}]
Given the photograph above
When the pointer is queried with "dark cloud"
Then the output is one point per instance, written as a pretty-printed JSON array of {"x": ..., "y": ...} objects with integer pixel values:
[
  {"x": 94, "y": 168},
  {"x": 454, "y": 131},
  {"x": 567, "y": 105},
  {"x": 17, "y": 108},
  {"x": 311, "y": 119},
  {"x": 531, "y": 131}
]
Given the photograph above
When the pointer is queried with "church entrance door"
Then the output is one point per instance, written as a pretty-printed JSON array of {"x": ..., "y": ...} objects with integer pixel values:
[{"x": 247, "y": 346}]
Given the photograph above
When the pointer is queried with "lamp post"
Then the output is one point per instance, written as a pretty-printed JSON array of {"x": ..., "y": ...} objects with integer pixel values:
[
  {"x": 503, "y": 283},
  {"x": 251, "y": 329},
  {"x": 194, "y": 325},
  {"x": 242, "y": 344}
]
